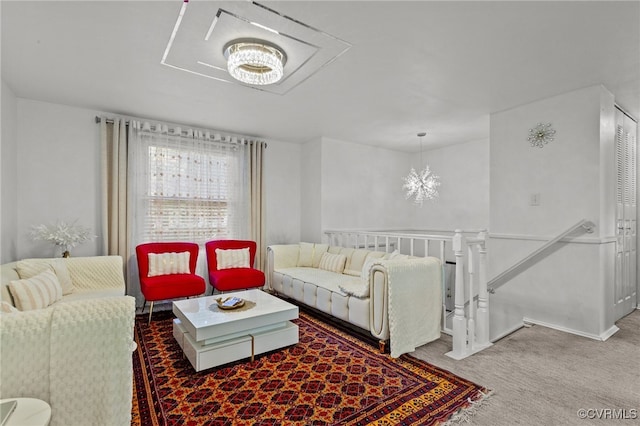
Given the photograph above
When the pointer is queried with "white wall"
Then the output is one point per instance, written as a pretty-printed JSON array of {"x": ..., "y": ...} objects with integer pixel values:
[
  {"x": 9, "y": 176},
  {"x": 283, "y": 190},
  {"x": 311, "y": 191},
  {"x": 352, "y": 186},
  {"x": 571, "y": 289},
  {"x": 362, "y": 187},
  {"x": 463, "y": 201},
  {"x": 58, "y": 175}
]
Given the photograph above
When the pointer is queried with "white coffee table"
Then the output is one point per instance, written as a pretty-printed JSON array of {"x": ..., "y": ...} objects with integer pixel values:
[{"x": 210, "y": 336}]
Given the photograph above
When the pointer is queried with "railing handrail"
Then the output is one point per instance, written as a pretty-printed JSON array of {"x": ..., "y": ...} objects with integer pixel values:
[
  {"x": 422, "y": 234},
  {"x": 497, "y": 281}
]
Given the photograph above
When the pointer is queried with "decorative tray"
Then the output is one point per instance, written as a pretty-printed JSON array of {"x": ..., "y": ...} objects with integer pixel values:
[{"x": 228, "y": 303}]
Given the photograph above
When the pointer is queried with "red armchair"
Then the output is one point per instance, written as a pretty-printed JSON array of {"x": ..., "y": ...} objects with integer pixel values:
[
  {"x": 171, "y": 275},
  {"x": 235, "y": 277}
]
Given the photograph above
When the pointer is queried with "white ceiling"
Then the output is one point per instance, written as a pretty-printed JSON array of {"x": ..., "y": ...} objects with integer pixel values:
[{"x": 441, "y": 67}]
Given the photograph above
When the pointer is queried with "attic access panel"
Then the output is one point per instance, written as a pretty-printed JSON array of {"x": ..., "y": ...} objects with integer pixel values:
[{"x": 202, "y": 29}]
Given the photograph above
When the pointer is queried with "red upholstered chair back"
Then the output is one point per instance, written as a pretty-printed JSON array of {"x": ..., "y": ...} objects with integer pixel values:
[
  {"x": 143, "y": 251},
  {"x": 211, "y": 247}
]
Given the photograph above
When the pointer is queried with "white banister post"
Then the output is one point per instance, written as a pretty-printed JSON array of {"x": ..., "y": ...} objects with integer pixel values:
[
  {"x": 459, "y": 325},
  {"x": 471, "y": 321},
  {"x": 482, "y": 334}
]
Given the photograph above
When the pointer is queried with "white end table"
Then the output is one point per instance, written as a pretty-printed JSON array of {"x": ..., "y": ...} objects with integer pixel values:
[{"x": 29, "y": 412}]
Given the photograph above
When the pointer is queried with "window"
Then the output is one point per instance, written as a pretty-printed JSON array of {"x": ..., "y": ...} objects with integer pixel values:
[{"x": 192, "y": 189}]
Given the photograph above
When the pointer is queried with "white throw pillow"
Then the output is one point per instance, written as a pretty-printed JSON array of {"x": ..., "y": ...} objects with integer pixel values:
[
  {"x": 28, "y": 268},
  {"x": 36, "y": 292},
  {"x": 232, "y": 258},
  {"x": 332, "y": 262},
  {"x": 169, "y": 263}
]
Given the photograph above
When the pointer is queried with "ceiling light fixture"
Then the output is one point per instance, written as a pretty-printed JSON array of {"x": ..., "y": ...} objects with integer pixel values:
[
  {"x": 255, "y": 62},
  {"x": 421, "y": 186}
]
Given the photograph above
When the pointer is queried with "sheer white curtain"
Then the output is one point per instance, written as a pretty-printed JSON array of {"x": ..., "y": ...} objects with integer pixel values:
[{"x": 186, "y": 185}]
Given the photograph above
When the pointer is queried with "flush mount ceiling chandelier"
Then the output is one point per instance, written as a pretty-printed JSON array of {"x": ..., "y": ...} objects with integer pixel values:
[
  {"x": 421, "y": 186},
  {"x": 255, "y": 62}
]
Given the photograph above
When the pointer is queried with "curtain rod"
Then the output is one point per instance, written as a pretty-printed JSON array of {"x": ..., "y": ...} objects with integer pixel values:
[{"x": 110, "y": 121}]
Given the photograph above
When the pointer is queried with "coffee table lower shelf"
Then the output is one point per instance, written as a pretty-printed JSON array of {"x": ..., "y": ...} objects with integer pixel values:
[{"x": 204, "y": 355}]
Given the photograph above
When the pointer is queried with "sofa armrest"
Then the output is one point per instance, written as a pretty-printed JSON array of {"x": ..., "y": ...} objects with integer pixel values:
[
  {"x": 91, "y": 373},
  {"x": 24, "y": 354},
  {"x": 378, "y": 318}
]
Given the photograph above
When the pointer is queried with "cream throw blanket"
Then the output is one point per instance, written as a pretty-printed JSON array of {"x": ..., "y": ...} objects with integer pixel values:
[{"x": 415, "y": 302}]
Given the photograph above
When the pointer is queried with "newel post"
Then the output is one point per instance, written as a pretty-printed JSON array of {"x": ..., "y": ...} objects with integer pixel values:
[
  {"x": 459, "y": 325},
  {"x": 482, "y": 332}
]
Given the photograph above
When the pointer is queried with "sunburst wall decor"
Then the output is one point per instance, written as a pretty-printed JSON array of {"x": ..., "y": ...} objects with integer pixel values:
[{"x": 541, "y": 135}]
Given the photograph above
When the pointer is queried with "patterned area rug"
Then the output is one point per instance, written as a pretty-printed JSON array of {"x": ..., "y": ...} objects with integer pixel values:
[{"x": 328, "y": 378}]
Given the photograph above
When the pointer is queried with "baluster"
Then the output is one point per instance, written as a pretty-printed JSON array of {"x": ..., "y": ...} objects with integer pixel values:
[
  {"x": 471, "y": 323},
  {"x": 483, "y": 295},
  {"x": 411, "y": 242},
  {"x": 459, "y": 321}
]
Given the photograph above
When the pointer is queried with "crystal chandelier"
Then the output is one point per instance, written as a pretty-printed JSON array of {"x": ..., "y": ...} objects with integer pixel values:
[
  {"x": 255, "y": 62},
  {"x": 421, "y": 186}
]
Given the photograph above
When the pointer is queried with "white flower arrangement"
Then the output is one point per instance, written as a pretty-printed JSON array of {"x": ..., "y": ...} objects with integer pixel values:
[{"x": 67, "y": 235}]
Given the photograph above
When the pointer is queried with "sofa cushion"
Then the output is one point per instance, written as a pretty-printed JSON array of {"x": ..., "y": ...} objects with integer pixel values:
[
  {"x": 36, "y": 292},
  {"x": 355, "y": 262},
  {"x": 318, "y": 251},
  {"x": 28, "y": 268},
  {"x": 333, "y": 262},
  {"x": 168, "y": 263},
  {"x": 7, "y": 308},
  {"x": 232, "y": 258},
  {"x": 305, "y": 256}
]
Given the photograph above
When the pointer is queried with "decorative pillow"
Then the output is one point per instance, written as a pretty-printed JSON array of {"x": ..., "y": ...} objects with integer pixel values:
[
  {"x": 168, "y": 263},
  {"x": 333, "y": 262},
  {"x": 36, "y": 292},
  {"x": 232, "y": 258},
  {"x": 29, "y": 268},
  {"x": 7, "y": 308}
]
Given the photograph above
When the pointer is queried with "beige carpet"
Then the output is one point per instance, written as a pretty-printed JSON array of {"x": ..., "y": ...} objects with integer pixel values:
[{"x": 541, "y": 376}]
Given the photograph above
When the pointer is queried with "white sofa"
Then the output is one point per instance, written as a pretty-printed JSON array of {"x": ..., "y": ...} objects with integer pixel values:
[
  {"x": 75, "y": 354},
  {"x": 361, "y": 292}
]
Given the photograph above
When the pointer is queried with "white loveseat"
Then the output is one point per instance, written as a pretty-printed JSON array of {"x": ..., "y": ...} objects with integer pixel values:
[
  {"x": 387, "y": 294},
  {"x": 75, "y": 354}
]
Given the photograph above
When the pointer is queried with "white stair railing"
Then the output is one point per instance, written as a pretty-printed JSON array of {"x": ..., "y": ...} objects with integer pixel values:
[
  {"x": 470, "y": 318},
  {"x": 503, "y": 277},
  {"x": 470, "y": 326}
]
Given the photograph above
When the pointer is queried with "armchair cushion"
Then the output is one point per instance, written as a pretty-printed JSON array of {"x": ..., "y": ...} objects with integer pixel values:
[
  {"x": 172, "y": 286},
  {"x": 236, "y": 278}
]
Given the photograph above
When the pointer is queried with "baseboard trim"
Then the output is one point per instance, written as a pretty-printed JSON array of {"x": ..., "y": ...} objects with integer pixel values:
[
  {"x": 507, "y": 332},
  {"x": 601, "y": 337}
]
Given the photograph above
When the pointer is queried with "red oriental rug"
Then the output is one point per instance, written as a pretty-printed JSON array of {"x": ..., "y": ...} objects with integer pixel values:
[{"x": 329, "y": 378}]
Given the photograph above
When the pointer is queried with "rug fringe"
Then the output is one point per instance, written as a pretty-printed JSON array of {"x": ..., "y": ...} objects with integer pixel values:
[{"x": 465, "y": 414}]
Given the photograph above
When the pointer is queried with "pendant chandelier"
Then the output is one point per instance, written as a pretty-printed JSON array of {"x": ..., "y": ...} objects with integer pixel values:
[
  {"x": 421, "y": 186},
  {"x": 255, "y": 62}
]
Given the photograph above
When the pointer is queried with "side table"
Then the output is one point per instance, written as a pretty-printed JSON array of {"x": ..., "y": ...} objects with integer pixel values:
[{"x": 29, "y": 412}]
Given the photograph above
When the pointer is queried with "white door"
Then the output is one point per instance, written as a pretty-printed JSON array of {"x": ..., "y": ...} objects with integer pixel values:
[{"x": 625, "y": 287}]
